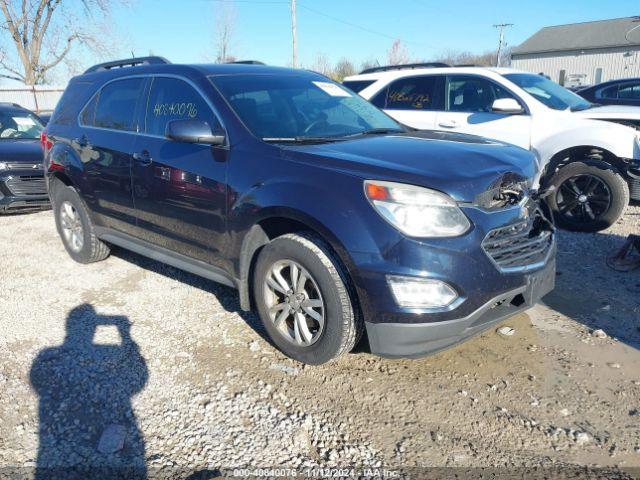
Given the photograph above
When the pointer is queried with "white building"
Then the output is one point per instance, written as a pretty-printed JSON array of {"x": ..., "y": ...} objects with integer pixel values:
[{"x": 583, "y": 53}]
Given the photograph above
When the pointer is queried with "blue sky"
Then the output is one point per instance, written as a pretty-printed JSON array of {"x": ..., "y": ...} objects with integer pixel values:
[{"x": 184, "y": 30}]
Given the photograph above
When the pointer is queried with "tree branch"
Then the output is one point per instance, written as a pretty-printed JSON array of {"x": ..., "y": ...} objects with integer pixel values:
[
  {"x": 10, "y": 77},
  {"x": 61, "y": 56}
]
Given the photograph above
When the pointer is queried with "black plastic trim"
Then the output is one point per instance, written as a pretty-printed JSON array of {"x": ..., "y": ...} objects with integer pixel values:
[{"x": 163, "y": 255}]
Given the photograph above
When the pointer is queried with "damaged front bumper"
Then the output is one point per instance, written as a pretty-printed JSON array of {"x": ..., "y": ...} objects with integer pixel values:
[
  {"x": 418, "y": 339},
  {"x": 500, "y": 268}
]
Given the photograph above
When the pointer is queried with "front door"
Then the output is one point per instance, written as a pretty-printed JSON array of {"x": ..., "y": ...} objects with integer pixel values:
[
  {"x": 179, "y": 189},
  {"x": 104, "y": 145},
  {"x": 468, "y": 102}
]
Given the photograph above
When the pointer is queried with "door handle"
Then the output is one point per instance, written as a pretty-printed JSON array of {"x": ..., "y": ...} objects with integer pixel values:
[
  {"x": 448, "y": 124},
  {"x": 143, "y": 158}
]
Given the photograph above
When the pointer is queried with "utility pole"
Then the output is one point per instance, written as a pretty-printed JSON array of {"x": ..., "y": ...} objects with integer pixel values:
[
  {"x": 501, "y": 26},
  {"x": 294, "y": 33}
]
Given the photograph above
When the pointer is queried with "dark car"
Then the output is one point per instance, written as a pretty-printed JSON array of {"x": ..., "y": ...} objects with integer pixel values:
[
  {"x": 22, "y": 185},
  {"x": 615, "y": 92},
  {"x": 325, "y": 214}
]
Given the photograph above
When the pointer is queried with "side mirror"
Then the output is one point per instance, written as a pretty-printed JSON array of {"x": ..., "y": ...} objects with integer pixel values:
[
  {"x": 507, "y": 105},
  {"x": 193, "y": 131}
]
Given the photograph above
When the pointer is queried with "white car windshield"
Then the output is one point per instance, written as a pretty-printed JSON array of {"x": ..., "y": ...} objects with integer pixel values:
[{"x": 550, "y": 93}]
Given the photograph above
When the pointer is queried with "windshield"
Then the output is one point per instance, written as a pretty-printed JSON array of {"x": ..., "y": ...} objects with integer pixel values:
[
  {"x": 19, "y": 124},
  {"x": 550, "y": 93},
  {"x": 290, "y": 107}
]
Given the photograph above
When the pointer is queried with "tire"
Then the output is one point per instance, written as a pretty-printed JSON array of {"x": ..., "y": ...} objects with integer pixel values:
[
  {"x": 342, "y": 325},
  {"x": 573, "y": 191},
  {"x": 89, "y": 248}
]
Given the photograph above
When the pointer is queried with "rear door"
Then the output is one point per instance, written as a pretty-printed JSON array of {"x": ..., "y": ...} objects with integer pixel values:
[
  {"x": 179, "y": 188},
  {"x": 468, "y": 109},
  {"x": 104, "y": 143},
  {"x": 413, "y": 101}
]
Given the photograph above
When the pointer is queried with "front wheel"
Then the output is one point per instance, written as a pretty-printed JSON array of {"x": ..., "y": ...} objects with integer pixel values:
[
  {"x": 303, "y": 299},
  {"x": 589, "y": 196}
]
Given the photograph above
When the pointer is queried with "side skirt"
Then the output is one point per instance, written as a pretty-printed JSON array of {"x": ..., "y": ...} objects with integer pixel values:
[{"x": 163, "y": 255}]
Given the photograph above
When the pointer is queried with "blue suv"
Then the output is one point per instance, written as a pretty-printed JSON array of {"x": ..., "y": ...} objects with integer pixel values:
[{"x": 329, "y": 218}]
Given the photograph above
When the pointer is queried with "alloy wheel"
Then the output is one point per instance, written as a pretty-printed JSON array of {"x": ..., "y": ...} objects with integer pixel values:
[
  {"x": 294, "y": 303},
  {"x": 71, "y": 224},
  {"x": 583, "y": 198}
]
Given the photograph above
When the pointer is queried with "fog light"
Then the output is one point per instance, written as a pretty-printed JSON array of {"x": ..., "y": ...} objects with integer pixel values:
[{"x": 421, "y": 292}]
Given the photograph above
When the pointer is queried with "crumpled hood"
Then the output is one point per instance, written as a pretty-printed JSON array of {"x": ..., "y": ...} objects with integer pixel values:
[
  {"x": 18, "y": 151},
  {"x": 459, "y": 165}
]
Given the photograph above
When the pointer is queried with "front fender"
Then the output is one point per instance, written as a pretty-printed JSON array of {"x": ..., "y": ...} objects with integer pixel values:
[
  {"x": 327, "y": 206},
  {"x": 619, "y": 140},
  {"x": 333, "y": 206}
]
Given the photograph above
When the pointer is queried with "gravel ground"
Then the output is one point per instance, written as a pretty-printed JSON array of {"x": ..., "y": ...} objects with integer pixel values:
[{"x": 129, "y": 363}]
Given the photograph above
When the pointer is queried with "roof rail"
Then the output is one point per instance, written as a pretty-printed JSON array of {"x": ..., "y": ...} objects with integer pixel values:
[
  {"x": 128, "y": 62},
  {"x": 247, "y": 62},
  {"x": 406, "y": 66}
]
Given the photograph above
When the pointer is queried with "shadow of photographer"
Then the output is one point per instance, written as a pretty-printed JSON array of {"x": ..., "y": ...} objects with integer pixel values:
[{"x": 87, "y": 427}]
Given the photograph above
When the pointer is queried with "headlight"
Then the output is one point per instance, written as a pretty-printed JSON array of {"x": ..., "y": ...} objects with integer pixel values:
[
  {"x": 3, "y": 166},
  {"x": 416, "y": 211}
]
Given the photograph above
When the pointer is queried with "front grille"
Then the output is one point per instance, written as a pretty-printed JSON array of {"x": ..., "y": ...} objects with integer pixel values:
[
  {"x": 520, "y": 246},
  {"x": 27, "y": 185},
  {"x": 23, "y": 166}
]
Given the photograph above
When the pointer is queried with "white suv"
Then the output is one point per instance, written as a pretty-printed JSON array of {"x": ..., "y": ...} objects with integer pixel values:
[{"x": 593, "y": 164}]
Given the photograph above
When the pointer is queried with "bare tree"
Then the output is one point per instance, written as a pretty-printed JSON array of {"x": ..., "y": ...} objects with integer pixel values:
[
  {"x": 322, "y": 65},
  {"x": 370, "y": 63},
  {"x": 398, "y": 53},
  {"x": 344, "y": 68},
  {"x": 456, "y": 57},
  {"x": 505, "y": 56},
  {"x": 226, "y": 16},
  {"x": 38, "y": 35}
]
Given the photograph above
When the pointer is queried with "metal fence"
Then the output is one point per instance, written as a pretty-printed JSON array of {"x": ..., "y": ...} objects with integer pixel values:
[{"x": 37, "y": 98}]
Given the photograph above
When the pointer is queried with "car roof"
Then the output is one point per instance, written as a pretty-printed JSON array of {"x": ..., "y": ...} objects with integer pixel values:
[
  {"x": 199, "y": 70},
  {"x": 410, "y": 72},
  {"x": 13, "y": 107},
  {"x": 609, "y": 83}
]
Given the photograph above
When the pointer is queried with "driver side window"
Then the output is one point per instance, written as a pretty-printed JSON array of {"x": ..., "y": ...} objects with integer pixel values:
[
  {"x": 472, "y": 94},
  {"x": 174, "y": 99}
]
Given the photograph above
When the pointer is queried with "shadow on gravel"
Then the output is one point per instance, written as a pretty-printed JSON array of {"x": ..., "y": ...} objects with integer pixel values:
[
  {"x": 228, "y": 297},
  {"x": 87, "y": 425},
  {"x": 590, "y": 292}
]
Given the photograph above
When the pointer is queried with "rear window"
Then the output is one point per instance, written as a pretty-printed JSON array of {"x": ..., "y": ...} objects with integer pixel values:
[
  {"x": 114, "y": 107},
  {"x": 358, "y": 85},
  {"x": 71, "y": 101}
]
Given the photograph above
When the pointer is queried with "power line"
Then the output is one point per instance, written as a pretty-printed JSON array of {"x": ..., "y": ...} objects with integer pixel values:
[
  {"x": 353, "y": 25},
  {"x": 322, "y": 14}
]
